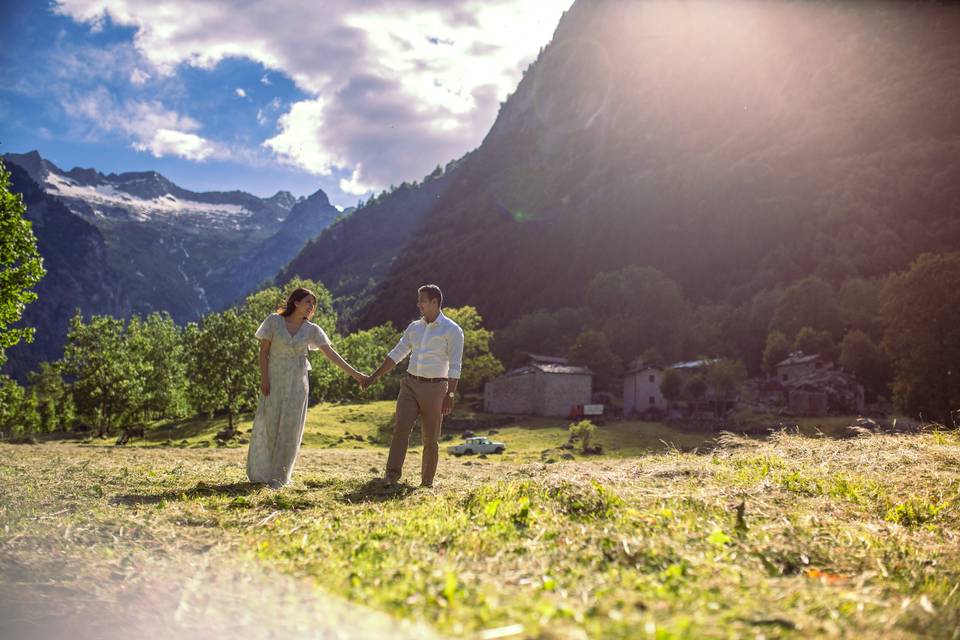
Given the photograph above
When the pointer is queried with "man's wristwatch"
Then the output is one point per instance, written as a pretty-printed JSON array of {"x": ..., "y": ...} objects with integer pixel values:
[{"x": 450, "y": 394}]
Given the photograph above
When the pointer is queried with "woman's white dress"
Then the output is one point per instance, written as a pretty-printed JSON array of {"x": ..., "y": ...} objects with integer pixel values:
[{"x": 278, "y": 424}]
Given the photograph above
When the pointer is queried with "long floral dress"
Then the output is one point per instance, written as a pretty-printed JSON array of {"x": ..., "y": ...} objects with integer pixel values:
[{"x": 278, "y": 424}]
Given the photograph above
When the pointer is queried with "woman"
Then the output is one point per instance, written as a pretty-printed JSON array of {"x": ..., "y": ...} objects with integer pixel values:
[{"x": 285, "y": 339}]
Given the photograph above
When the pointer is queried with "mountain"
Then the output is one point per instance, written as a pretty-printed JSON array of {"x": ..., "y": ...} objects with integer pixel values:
[
  {"x": 78, "y": 275},
  {"x": 159, "y": 246},
  {"x": 358, "y": 251},
  {"x": 737, "y": 147}
]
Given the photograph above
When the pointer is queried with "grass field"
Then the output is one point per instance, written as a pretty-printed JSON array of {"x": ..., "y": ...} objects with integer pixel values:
[{"x": 788, "y": 536}]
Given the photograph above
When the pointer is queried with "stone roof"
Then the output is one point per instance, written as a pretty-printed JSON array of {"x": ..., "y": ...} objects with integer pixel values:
[
  {"x": 551, "y": 368},
  {"x": 554, "y": 359},
  {"x": 692, "y": 364},
  {"x": 798, "y": 357}
]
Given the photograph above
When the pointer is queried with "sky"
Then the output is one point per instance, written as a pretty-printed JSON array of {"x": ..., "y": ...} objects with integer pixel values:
[{"x": 345, "y": 96}]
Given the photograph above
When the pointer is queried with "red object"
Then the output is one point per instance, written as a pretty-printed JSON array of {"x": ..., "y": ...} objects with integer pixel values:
[{"x": 576, "y": 411}]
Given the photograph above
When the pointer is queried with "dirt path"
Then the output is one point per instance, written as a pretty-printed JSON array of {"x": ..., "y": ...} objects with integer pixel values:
[{"x": 183, "y": 597}]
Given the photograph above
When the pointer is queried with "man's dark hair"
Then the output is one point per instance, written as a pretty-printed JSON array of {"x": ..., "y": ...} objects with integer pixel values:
[{"x": 433, "y": 292}]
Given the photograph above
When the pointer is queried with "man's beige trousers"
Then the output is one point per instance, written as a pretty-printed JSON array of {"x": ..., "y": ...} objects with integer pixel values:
[{"x": 426, "y": 400}]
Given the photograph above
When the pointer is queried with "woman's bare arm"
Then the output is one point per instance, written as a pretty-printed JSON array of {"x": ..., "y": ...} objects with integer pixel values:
[
  {"x": 265, "y": 367},
  {"x": 335, "y": 358}
]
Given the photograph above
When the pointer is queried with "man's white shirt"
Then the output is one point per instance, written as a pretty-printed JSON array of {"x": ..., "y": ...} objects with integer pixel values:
[{"x": 437, "y": 348}]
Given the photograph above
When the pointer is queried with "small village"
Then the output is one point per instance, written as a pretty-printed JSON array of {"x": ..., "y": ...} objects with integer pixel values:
[{"x": 801, "y": 385}]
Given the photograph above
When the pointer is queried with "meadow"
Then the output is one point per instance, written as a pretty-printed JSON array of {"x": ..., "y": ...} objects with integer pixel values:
[{"x": 667, "y": 534}]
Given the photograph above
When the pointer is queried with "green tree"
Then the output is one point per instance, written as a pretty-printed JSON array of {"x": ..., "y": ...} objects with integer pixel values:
[
  {"x": 266, "y": 301},
  {"x": 221, "y": 355},
  {"x": 479, "y": 365},
  {"x": 11, "y": 399},
  {"x": 21, "y": 266},
  {"x": 711, "y": 330},
  {"x": 810, "y": 342},
  {"x": 53, "y": 396},
  {"x": 671, "y": 386},
  {"x": 696, "y": 387},
  {"x": 541, "y": 332},
  {"x": 776, "y": 351},
  {"x": 638, "y": 308},
  {"x": 726, "y": 377},
  {"x": 810, "y": 302},
  {"x": 365, "y": 350},
  {"x": 750, "y": 328},
  {"x": 859, "y": 301},
  {"x": 922, "y": 334},
  {"x": 592, "y": 350},
  {"x": 28, "y": 417},
  {"x": 584, "y": 431},
  {"x": 865, "y": 360},
  {"x": 106, "y": 377},
  {"x": 158, "y": 343}
]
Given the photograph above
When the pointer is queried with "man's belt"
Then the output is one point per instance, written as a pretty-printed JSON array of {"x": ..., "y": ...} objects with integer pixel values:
[{"x": 422, "y": 379}]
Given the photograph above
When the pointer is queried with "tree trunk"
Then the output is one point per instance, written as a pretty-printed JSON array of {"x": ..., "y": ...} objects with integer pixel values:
[{"x": 945, "y": 386}]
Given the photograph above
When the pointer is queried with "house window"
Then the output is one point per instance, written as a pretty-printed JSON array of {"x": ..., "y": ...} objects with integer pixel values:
[
  {"x": 785, "y": 377},
  {"x": 651, "y": 377},
  {"x": 653, "y": 400}
]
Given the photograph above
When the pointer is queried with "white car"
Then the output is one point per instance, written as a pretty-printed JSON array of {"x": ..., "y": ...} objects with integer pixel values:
[{"x": 477, "y": 445}]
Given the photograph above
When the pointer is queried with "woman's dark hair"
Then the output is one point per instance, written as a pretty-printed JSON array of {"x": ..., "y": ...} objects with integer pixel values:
[
  {"x": 295, "y": 296},
  {"x": 433, "y": 293}
]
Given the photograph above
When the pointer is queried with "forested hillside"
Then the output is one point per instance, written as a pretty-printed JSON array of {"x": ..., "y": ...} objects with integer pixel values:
[{"x": 737, "y": 150}]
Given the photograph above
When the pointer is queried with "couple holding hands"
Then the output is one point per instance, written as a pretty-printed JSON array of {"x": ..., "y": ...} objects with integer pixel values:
[{"x": 434, "y": 344}]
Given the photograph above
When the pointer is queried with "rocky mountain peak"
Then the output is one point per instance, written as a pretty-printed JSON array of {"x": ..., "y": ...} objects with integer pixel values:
[
  {"x": 143, "y": 184},
  {"x": 36, "y": 167},
  {"x": 283, "y": 199}
]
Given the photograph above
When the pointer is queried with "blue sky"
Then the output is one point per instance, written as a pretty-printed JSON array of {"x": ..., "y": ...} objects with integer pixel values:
[{"x": 348, "y": 97}]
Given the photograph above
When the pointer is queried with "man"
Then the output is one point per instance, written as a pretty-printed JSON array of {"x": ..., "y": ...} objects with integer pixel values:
[{"x": 435, "y": 343}]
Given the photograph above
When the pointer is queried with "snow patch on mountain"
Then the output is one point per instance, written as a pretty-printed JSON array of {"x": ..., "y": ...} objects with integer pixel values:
[{"x": 105, "y": 199}]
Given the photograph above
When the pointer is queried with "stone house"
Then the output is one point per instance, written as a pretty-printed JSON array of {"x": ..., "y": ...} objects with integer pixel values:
[
  {"x": 641, "y": 390},
  {"x": 811, "y": 385},
  {"x": 641, "y": 386},
  {"x": 799, "y": 365},
  {"x": 543, "y": 386}
]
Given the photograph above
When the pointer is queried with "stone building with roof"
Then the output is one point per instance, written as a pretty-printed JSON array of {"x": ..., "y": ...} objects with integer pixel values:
[
  {"x": 641, "y": 386},
  {"x": 799, "y": 364},
  {"x": 542, "y": 386},
  {"x": 813, "y": 386}
]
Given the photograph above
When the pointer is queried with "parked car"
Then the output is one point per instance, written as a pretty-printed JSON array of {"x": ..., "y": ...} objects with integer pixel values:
[{"x": 478, "y": 444}]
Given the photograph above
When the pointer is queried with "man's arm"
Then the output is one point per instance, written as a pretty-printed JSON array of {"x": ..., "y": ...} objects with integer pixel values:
[
  {"x": 455, "y": 354},
  {"x": 384, "y": 369},
  {"x": 398, "y": 353}
]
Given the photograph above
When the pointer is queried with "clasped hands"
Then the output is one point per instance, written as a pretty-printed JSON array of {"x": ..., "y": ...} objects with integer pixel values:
[{"x": 365, "y": 381}]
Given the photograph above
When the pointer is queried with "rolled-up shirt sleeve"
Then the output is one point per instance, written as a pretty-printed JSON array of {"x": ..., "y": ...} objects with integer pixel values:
[
  {"x": 403, "y": 348},
  {"x": 456, "y": 352}
]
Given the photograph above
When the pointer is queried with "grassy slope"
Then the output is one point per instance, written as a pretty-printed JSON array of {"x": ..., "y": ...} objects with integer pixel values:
[
  {"x": 329, "y": 424},
  {"x": 855, "y": 537}
]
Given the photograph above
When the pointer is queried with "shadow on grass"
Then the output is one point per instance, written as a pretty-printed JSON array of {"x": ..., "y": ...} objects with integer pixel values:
[
  {"x": 202, "y": 489},
  {"x": 376, "y": 490},
  {"x": 191, "y": 427}
]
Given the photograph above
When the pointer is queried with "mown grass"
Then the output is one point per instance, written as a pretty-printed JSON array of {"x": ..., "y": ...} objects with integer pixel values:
[
  {"x": 355, "y": 426},
  {"x": 786, "y": 537}
]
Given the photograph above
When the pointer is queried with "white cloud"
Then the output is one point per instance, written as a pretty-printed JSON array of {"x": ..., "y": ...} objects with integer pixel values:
[
  {"x": 139, "y": 77},
  {"x": 299, "y": 138},
  {"x": 240, "y": 92},
  {"x": 152, "y": 127},
  {"x": 265, "y": 80},
  {"x": 394, "y": 87},
  {"x": 353, "y": 186},
  {"x": 166, "y": 142}
]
